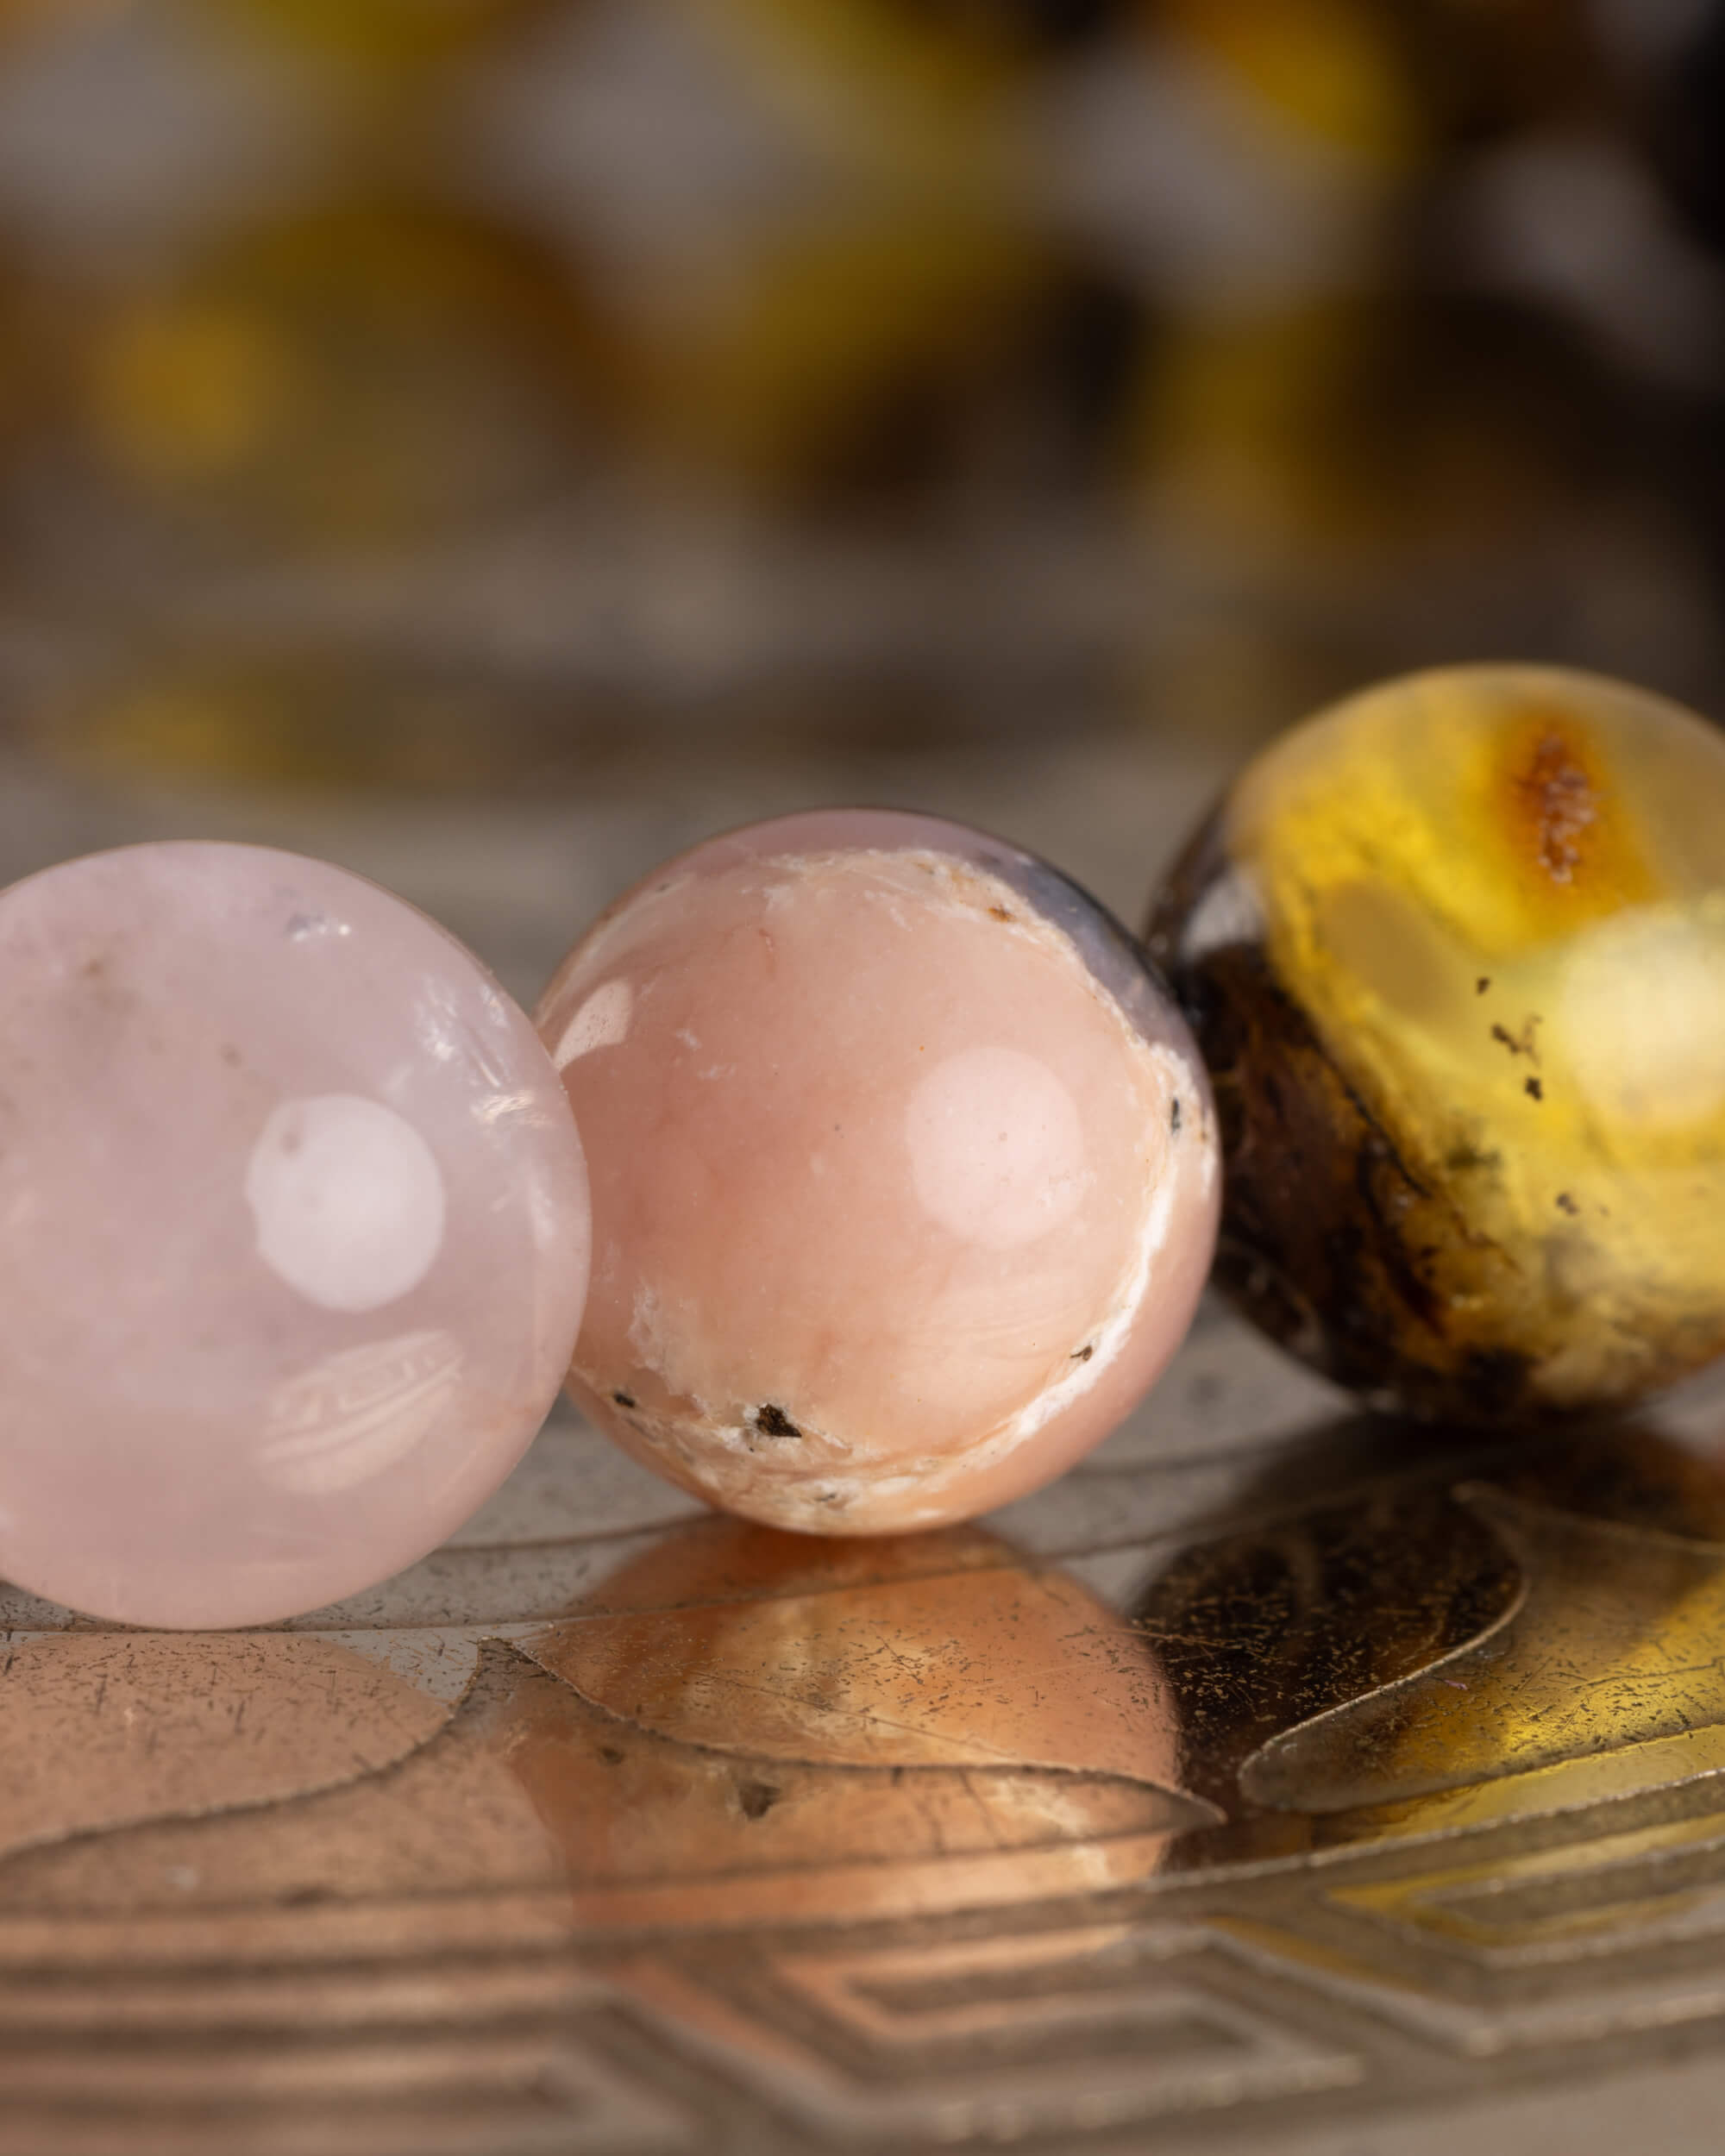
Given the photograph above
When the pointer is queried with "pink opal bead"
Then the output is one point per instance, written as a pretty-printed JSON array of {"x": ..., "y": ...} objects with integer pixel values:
[
  {"x": 904, "y": 1168},
  {"x": 294, "y": 1233}
]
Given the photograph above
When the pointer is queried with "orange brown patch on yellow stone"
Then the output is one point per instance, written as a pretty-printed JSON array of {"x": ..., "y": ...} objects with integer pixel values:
[
  {"x": 1564, "y": 816},
  {"x": 1560, "y": 796}
]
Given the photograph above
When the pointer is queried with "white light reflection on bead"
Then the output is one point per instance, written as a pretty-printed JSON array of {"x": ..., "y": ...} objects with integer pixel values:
[
  {"x": 601, "y": 1022},
  {"x": 997, "y": 1147},
  {"x": 1228, "y": 914},
  {"x": 505, "y": 1107},
  {"x": 446, "y": 1034},
  {"x": 348, "y": 1202},
  {"x": 1642, "y": 1012},
  {"x": 303, "y": 927}
]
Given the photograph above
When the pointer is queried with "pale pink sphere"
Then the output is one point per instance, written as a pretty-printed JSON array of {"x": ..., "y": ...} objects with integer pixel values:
[
  {"x": 904, "y": 1168},
  {"x": 294, "y": 1232}
]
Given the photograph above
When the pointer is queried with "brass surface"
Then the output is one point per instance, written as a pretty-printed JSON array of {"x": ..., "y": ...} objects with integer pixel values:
[{"x": 1255, "y": 1787}]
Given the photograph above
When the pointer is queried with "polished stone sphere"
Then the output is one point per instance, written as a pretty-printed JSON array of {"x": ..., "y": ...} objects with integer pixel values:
[
  {"x": 1455, "y": 952},
  {"x": 293, "y": 1234},
  {"x": 904, "y": 1170}
]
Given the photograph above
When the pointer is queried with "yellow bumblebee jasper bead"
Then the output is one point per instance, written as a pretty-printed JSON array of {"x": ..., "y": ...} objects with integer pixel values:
[{"x": 1455, "y": 952}]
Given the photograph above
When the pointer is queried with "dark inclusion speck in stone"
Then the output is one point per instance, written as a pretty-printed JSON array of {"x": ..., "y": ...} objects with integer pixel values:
[{"x": 774, "y": 1422}]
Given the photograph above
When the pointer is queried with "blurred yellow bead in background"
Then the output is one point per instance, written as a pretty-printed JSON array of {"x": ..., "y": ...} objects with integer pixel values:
[
  {"x": 1335, "y": 68},
  {"x": 24, "y": 19},
  {"x": 849, "y": 324},
  {"x": 883, "y": 81},
  {"x": 384, "y": 34},
  {"x": 848, "y": 352},
  {"x": 184, "y": 394},
  {"x": 357, "y": 374},
  {"x": 276, "y": 721}
]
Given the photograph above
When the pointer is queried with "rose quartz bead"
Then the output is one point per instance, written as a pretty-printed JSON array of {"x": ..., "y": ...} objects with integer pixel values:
[
  {"x": 293, "y": 1234},
  {"x": 905, "y": 1170}
]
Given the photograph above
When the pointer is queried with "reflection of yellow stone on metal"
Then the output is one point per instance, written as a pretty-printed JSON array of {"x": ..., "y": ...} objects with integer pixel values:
[
  {"x": 1453, "y": 1654},
  {"x": 1537, "y": 1908},
  {"x": 1456, "y": 950},
  {"x": 1612, "y": 1645}
]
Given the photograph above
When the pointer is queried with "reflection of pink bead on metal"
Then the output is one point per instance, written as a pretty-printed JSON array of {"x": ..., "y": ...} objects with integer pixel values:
[
  {"x": 293, "y": 1234},
  {"x": 905, "y": 1170}
]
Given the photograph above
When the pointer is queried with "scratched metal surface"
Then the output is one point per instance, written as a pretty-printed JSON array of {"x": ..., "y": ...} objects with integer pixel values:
[{"x": 1276, "y": 1781}]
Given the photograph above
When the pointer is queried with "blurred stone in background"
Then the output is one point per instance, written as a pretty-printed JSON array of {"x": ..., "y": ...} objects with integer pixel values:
[{"x": 559, "y": 426}]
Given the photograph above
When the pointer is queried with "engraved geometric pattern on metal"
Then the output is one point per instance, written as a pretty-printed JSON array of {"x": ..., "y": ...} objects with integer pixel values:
[{"x": 1274, "y": 1775}]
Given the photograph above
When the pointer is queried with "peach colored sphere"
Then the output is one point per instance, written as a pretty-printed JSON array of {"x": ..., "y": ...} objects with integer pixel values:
[
  {"x": 904, "y": 1171},
  {"x": 293, "y": 1234}
]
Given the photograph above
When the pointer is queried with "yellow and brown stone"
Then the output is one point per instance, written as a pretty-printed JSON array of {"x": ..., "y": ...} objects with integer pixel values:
[{"x": 1455, "y": 952}]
